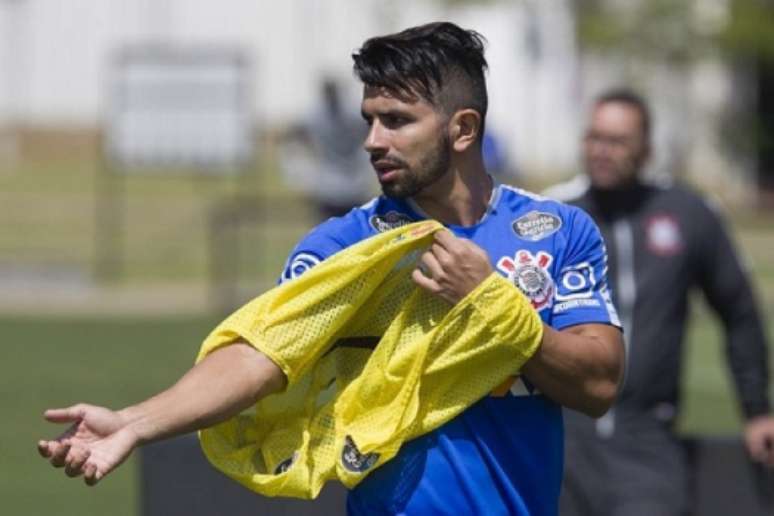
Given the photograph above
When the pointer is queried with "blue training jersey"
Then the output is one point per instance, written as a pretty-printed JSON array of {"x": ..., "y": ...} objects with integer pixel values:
[{"x": 504, "y": 454}]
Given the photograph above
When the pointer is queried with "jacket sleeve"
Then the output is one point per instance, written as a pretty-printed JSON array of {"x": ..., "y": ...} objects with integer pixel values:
[{"x": 726, "y": 285}]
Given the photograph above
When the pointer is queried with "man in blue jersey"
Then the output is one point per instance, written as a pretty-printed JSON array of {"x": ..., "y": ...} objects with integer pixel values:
[{"x": 425, "y": 102}]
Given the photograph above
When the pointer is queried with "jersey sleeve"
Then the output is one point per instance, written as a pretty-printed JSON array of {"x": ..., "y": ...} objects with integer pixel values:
[
  {"x": 582, "y": 294},
  {"x": 325, "y": 240}
]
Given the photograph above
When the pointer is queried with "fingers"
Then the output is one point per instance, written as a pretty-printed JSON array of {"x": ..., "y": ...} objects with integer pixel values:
[
  {"x": 75, "y": 461},
  {"x": 64, "y": 415},
  {"x": 430, "y": 266},
  {"x": 43, "y": 449},
  {"x": 91, "y": 474},
  {"x": 426, "y": 283},
  {"x": 59, "y": 453},
  {"x": 446, "y": 239}
]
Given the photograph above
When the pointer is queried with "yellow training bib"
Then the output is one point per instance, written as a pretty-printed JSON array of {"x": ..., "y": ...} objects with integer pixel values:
[{"x": 372, "y": 361}]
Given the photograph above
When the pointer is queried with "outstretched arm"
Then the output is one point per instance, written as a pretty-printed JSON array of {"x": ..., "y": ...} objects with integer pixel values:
[{"x": 217, "y": 388}]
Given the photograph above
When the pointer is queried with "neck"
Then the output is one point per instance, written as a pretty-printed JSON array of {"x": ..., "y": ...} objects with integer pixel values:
[
  {"x": 460, "y": 197},
  {"x": 618, "y": 201}
]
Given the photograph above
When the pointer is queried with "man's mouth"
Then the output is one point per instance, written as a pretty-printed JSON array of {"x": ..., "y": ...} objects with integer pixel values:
[{"x": 386, "y": 170}]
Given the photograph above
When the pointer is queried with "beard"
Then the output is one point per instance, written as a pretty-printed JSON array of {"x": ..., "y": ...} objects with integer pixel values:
[{"x": 431, "y": 167}]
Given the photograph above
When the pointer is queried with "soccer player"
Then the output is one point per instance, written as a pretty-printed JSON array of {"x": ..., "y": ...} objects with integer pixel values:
[
  {"x": 664, "y": 242},
  {"x": 425, "y": 102}
]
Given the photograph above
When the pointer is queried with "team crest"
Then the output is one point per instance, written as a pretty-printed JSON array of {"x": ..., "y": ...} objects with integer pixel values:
[
  {"x": 388, "y": 221},
  {"x": 530, "y": 274},
  {"x": 355, "y": 461},
  {"x": 663, "y": 235}
]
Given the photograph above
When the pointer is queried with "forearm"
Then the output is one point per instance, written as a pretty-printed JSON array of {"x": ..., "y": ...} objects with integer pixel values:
[
  {"x": 579, "y": 368},
  {"x": 217, "y": 388}
]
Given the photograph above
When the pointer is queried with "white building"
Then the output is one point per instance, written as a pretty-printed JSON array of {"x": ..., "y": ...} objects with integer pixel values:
[{"x": 54, "y": 55}]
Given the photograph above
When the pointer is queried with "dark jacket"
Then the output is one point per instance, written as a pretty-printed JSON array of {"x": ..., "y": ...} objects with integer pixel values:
[{"x": 662, "y": 242}]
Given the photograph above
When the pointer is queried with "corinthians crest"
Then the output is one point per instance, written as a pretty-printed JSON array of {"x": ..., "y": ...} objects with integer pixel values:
[{"x": 530, "y": 274}]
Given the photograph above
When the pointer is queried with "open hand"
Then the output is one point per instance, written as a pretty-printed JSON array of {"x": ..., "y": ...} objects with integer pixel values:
[
  {"x": 452, "y": 267},
  {"x": 98, "y": 440}
]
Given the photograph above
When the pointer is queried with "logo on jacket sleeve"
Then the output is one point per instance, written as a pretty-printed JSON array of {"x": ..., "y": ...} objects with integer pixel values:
[
  {"x": 531, "y": 275},
  {"x": 390, "y": 220},
  {"x": 536, "y": 225}
]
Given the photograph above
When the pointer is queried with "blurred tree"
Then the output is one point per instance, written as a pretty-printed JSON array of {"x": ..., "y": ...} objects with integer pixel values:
[
  {"x": 680, "y": 32},
  {"x": 678, "y": 29}
]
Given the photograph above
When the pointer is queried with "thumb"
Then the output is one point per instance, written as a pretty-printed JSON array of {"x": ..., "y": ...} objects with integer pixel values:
[{"x": 65, "y": 415}]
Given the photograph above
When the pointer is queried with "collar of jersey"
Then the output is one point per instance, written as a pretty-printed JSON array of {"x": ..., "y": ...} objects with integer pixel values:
[{"x": 494, "y": 200}]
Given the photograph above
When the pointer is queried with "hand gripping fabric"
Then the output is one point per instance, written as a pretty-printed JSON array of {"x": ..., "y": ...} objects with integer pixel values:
[{"x": 371, "y": 361}]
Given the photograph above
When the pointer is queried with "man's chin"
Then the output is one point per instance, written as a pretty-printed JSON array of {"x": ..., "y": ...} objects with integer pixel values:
[{"x": 395, "y": 191}]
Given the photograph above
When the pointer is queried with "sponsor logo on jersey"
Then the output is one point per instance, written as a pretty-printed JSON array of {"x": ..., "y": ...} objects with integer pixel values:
[
  {"x": 388, "y": 221},
  {"x": 576, "y": 303},
  {"x": 299, "y": 264},
  {"x": 536, "y": 225},
  {"x": 663, "y": 235},
  {"x": 576, "y": 282},
  {"x": 355, "y": 461},
  {"x": 530, "y": 274}
]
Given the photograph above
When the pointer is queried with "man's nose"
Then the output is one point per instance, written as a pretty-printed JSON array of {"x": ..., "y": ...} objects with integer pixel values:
[
  {"x": 376, "y": 139},
  {"x": 596, "y": 148}
]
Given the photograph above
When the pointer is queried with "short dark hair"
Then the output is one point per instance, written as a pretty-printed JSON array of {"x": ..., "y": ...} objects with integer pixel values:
[
  {"x": 439, "y": 62},
  {"x": 632, "y": 99}
]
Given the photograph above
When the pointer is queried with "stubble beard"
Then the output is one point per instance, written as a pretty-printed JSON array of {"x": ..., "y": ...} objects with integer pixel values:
[{"x": 431, "y": 168}]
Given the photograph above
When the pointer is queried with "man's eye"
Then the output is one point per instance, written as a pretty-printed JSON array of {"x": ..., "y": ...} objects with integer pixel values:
[{"x": 394, "y": 120}]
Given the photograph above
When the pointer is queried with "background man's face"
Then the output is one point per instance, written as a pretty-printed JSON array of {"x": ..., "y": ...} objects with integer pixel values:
[
  {"x": 614, "y": 146},
  {"x": 407, "y": 141}
]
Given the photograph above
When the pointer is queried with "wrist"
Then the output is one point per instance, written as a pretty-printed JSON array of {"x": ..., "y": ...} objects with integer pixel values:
[{"x": 134, "y": 422}]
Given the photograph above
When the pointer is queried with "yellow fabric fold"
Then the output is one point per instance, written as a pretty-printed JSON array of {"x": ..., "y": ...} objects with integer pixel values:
[{"x": 372, "y": 361}]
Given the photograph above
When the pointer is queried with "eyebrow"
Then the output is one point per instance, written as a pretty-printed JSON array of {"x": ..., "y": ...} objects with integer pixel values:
[{"x": 387, "y": 112}]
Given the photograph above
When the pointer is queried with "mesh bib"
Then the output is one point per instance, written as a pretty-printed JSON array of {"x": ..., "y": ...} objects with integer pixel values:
[{"x": 371, "y": 360}]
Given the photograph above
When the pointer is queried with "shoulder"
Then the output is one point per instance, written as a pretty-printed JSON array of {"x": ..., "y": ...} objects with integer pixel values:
[
  {"x": 532, "y": 206},
  {"x": 535, "y": 217},
  {"x": 337, "y": 233},
  {"x": 695, "y": 207}
]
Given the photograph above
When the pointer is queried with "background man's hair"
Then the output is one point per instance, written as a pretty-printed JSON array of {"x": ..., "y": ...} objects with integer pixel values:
[
  {"x": 632, "y": 99},
  {"x": 439, "y": 62}
]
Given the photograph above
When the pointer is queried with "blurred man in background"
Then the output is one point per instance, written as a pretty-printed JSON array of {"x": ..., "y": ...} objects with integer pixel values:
[
  {"x": 663, "y": 240},
  {"x": 324, "y": 156}
]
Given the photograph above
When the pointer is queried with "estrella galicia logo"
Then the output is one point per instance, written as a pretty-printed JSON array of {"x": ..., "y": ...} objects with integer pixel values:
[
  {"x": 388, "y": 221},
  {"x": 299, "y": 264},
  {"x": 355, "y": 461},
  {"x": 536, "y": 225},
  {"x": 285, "y": 464}
]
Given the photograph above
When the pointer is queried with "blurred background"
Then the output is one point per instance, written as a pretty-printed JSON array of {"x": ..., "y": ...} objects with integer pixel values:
[{"x": 159, "y": 158}]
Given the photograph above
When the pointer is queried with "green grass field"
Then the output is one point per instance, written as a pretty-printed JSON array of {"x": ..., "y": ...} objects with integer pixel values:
[{"x": 55, "y": 362}]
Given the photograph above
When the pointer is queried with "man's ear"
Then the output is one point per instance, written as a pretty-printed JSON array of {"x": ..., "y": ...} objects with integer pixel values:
[{"x": 464, "y": 129}]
